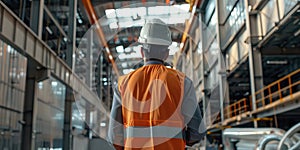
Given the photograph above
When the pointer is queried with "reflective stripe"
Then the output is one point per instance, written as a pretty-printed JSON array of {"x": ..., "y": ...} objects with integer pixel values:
[{"x": 154, "y": 131}]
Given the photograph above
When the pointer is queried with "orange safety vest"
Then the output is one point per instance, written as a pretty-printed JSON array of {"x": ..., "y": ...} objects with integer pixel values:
[{"x": 151, "y": 108}]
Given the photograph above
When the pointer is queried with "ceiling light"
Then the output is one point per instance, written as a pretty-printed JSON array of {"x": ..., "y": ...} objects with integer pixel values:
[
  {"x": 173, "y": 48},
  {"x": 129, "y": 56},
  {"x": 54, "y": 83},
  {"x": 110, "y": 13},
  {"x": 49, "y": 30},
  {"x": 297, "y": 33},
  {"x": 141, "y": 11},
  {"x": 120, "y": 49},
  {"x": 113, "y": 25},
  {"x": 127, "y": 50},
  {"x": 243, "y": 84},
  {"x": 158, "y": 10},
  {"x": 80, "y": 21},
  {"x": 184, "y": 7},
  {"x": 277, "y": 62},
  {"x": 137, "y": 48},
  {"x": 126, "y": 24},
  {"x": 124, "y": 64},
  {"x": 123, "y": 12},
  {"x": 102, "y": 124}
]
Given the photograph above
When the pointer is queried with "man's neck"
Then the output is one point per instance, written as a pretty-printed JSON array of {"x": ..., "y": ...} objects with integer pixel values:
[{"x": 152, "y": 61}]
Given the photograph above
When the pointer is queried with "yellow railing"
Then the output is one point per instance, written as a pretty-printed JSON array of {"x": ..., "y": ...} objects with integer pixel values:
[
  {"x": 286, "y": 86},
  {"x": 236, "y": 108},
  {"x": 279, "y": 89}
]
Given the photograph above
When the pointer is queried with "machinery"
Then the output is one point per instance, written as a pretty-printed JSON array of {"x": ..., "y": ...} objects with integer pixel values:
[{"x": 262, "y": 138}]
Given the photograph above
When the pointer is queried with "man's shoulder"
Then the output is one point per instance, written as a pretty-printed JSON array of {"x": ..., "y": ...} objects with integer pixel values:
[{"x": 126, "y": 76}]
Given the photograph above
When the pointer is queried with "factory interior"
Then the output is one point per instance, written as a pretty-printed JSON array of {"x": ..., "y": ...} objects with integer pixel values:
[{"x": 60, "y": 61}]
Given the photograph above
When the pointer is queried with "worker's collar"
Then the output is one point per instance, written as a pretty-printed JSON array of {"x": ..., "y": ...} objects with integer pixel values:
[{"x": 153, "y": 61}]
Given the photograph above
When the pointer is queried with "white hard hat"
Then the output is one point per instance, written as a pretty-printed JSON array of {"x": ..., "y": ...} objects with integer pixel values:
[{"x": 155, "y": 32}]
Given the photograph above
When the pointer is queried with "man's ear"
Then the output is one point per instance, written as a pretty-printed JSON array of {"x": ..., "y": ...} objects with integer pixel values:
[
  {"x": 142, "y": 52},
  {"x": 167, "y": 55}
]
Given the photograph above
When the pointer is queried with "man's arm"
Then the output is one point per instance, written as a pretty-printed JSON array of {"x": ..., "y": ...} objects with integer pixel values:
[
  {"x": 116, "y": 128},
  {"x": 191, "y": 113}
]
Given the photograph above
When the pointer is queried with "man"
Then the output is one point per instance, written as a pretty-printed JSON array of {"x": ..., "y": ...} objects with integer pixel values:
[{"x": 154, "y": 107}]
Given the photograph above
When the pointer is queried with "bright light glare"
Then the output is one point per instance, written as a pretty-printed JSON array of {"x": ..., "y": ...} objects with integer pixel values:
[
  {"x": 129, "y": 56},
  {"x": 158, "y": 10},
  {"x": 173, "y": 48},
  {"x": 175, "y": 9},
  {"x": 113, "y": 25},
  {"x": 141, "y": 11},
  {"x": 126, "y": 71},
  {"x": 124, "y": 12},
  {"x": 185, "y": 7},
  {"x": 177, "y": 14},
  {"x": 110, "y": 13},
  {"x": 126, "y": 24},
  {"x": 124, "y": 64},
  {"x": 102, "y": 124},
  {"x": 120, "y": 49},
  {"x": 127, "y": 49},
  {"x": 54, "y": 83},
  {"x": 137, "y": 48}
]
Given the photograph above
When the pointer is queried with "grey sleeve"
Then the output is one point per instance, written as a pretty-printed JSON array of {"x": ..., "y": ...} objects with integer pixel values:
[
  {"x": 116, "y": 128},
  {"x": 191, "y": 112}
]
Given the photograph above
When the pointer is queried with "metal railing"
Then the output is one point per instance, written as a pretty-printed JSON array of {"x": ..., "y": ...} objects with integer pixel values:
[
  {"x": 279, "y": 89},
  {"x": 237, "y": 108}
]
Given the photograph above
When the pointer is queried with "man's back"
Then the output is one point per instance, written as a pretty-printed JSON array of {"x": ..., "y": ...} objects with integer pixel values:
[{"x": 151, "y": 107}]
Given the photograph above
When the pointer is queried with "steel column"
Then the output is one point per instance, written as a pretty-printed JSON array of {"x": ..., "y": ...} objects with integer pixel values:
[
  {"x": 222, "y": 68},
  {"x": 71, "y": 33},
  {"x": 29, "y": 113},
  {"x": 36, "y": 17},
  {"x": 71, "y": 37},
  {"x": 67, "y": 137},
  {"x": 255, "y": 64},
  {"x": 23, "y": 10},
  {"x": 30, "y": 105},
  {"x": 251, "y": 68},
  {"x": 88, "y": 120}
]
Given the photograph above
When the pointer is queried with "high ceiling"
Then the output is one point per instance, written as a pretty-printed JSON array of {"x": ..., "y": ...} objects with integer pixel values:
[{"x": 121, "y": 23}]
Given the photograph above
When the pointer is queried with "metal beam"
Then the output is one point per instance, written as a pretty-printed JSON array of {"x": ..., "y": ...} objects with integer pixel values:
[
  {"x": 275, "y": 50},
  {"x": 48, "y": 12}
]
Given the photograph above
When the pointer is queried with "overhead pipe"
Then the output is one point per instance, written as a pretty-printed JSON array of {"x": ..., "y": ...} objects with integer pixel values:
[{"x": 94, "y": 20}]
